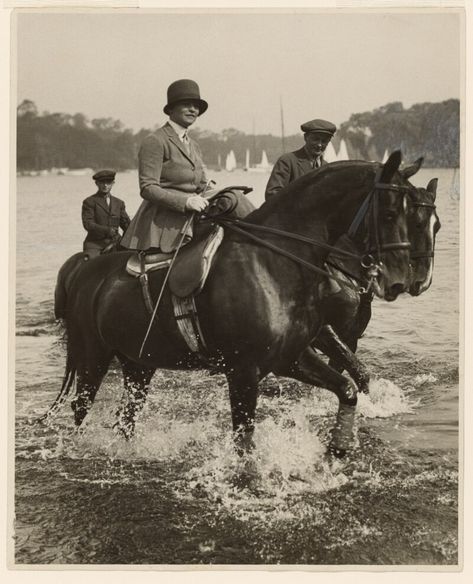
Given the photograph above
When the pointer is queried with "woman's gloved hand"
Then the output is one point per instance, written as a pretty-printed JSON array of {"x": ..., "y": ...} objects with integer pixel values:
[{"x": 196, "y": 203}]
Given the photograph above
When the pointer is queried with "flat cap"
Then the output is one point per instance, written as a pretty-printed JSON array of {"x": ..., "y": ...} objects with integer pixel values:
[
  {"x": 104, "y": 175},
  {"x": 319, "y": 126}
]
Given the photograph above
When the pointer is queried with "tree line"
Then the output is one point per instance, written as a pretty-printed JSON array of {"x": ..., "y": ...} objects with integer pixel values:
[{"x": 58, "y": 140}]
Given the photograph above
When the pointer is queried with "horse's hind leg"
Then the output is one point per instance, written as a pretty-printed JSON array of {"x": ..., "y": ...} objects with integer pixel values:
[
  {"x": 136, "y": 381},
  {"x": 91, "y": 369}
]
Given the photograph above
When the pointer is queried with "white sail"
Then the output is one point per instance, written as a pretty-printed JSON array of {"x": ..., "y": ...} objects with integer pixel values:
[
  {"x": 385, "y": 156},
  {"x": 330, "y": 155},
  {"x": 264, "y": 160},
  {"x": 342, "y": 151},
  {"x": 230, "y": 163},
  {"x": 264, "y": 165}
]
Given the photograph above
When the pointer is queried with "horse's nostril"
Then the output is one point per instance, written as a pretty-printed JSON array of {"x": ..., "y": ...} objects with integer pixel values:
[{"x": 396, "y": 289}]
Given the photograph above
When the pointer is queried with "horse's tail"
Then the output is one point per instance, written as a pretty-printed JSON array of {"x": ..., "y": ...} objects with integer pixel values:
[
  {"x": 67, "y": 382},
  {"x": 65, "y": 277}
]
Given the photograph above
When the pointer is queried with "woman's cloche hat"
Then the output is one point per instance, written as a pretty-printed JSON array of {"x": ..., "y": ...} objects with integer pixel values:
[{"x": 184, "y": 89}]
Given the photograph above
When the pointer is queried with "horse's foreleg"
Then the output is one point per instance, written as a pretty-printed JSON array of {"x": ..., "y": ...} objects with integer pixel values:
[
  {"x": 243, "y": 388},
  {"x": 136, "y": 379},
  {"x": 310, "y": 368},
  {"x": 342, "y": 356}
]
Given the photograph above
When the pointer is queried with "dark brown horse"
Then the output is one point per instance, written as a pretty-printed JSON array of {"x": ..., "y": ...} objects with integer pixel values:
[
  {"x": 348, "y": 313},
  {"x": 259, "y": 309}
]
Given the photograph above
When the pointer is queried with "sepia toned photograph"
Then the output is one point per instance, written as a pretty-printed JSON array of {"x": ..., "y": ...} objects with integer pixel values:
[{"x": 236, "y": 241}]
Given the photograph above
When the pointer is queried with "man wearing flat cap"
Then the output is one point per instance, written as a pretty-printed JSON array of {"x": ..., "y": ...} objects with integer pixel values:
[
  {"x": 292, "y": 165},
  {"x": 103, "y": 214}
]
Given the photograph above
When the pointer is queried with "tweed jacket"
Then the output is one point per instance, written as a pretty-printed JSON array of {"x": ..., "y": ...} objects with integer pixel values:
[
  {"x": 288, "y": 167},
  {"x": 168, "y": 176},
  {"x": 98, "y": 219}
]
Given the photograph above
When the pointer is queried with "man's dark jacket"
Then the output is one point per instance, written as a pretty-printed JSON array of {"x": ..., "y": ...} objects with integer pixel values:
[
  {"x": 99, "y": 220},
  {"x": 287, "y": 169}
]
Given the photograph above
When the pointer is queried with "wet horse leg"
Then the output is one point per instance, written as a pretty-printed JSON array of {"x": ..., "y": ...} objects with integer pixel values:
[
  {"x": 91, "y": 369},
  {"x": 310, "y": 368},
  {"x": 136, "y": 380},
  {"x": 342, "y": 357},
  {"x": 243, "y": 389}
]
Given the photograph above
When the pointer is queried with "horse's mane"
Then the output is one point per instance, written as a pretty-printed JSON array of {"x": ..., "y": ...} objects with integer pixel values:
[{"x": 311, "y": 179}]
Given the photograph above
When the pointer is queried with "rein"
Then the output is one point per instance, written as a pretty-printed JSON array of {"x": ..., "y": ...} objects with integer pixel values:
[{"x": 367, "y": 261}]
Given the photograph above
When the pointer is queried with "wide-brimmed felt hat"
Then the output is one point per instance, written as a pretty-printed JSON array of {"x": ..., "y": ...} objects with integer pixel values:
[
  {"x": 321, "y": 126},
  {"x": 182, "y": 90},
  {"x": 104, "y": 175}
]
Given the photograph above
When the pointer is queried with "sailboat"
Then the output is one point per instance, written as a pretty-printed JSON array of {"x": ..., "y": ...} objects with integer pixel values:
[
  {"x": 230, "y": 162},
  {"x": 264, "y": 165},
  {"x": 342, "y": 151}
]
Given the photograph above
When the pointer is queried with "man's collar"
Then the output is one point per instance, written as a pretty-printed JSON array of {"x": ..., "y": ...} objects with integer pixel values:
[{"x": 180, "y": 130}]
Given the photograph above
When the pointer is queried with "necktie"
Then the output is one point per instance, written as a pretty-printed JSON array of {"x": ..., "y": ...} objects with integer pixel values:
[{"x": 185, "y": 141}]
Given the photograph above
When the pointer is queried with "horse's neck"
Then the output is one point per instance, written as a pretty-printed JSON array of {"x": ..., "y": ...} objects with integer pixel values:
[{"x": 325, "y": 213}]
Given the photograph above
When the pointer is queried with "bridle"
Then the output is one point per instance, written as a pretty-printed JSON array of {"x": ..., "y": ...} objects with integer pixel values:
[
  {"x": 420, "y": 254},
  {"x": 369, "y": 208}
]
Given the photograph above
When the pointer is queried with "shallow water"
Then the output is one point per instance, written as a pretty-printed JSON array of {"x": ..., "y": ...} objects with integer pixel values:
[{"x": 177, "y": 494}]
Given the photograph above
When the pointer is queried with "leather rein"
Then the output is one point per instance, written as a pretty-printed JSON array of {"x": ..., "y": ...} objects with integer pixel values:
[{"x": 369, "y": 205}]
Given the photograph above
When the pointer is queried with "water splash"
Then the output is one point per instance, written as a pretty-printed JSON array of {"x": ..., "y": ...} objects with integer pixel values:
[{"x": 384, "y": 400}]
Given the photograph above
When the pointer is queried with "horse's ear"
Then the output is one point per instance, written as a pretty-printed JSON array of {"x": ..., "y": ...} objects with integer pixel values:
[
  {"x": 390, "y": 166},
  {"x": 432, "y": 186},
  {"x": 413, "y": 168}
]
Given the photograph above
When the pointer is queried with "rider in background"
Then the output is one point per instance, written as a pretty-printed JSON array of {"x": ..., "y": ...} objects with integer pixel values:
[
  {"x": 292, "y": 165},
  {"x": 102, "y": 215},
  {"x": 171, "y": 175}
]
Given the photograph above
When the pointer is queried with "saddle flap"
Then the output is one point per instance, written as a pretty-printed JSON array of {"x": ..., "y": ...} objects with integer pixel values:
[
  {"x": 192, "y": 265},
  {"x": 139, "y": 264}
]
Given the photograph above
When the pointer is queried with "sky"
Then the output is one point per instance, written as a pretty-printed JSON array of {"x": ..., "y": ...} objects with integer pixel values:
[{"x": 318, "y": 64}]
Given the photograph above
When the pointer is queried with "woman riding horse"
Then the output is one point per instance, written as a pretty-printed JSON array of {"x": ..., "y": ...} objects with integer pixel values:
[{"x": 171, "y": 176}]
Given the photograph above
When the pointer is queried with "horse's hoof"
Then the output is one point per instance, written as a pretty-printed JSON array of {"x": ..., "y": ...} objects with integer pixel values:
[
  {"x": 244, "y": 444},
  {"x": 246, "y": 477}
]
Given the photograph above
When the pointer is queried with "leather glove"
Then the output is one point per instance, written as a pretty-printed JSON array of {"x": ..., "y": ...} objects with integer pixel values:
[{"x": 196, "y": 203}]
